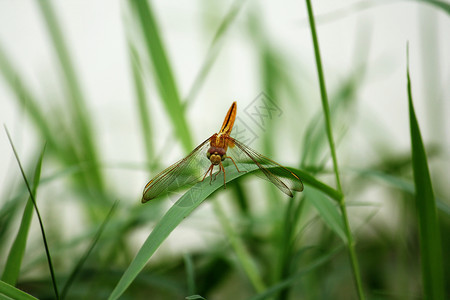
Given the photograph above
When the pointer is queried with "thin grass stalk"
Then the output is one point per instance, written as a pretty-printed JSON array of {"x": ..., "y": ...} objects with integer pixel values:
[
  {"x": 326, "y": 111},
  {"x": 41, "y": 224}
]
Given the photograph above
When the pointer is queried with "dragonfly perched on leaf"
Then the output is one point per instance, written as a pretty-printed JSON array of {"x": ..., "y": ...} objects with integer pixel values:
[{"x": 218, "y": 150}]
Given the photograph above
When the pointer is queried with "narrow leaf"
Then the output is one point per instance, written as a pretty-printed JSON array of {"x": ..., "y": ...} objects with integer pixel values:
[
  {"x": 429, "y": 235},
  {"x": 14, "y": 293},
  {"x": 328, "y": 212},
  {"x": 41, "y": 225},
  {"x": 14, "y": 262}
]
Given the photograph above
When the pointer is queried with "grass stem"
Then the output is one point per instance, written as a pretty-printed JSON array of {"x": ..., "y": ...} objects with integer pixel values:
[{"x": 326, "y": 111}]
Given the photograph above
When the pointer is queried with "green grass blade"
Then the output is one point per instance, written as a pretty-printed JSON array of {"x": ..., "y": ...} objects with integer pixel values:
[
  {"x": 14, "y": 293},
  {"x": 429, "y": 235},
  {"x": 328, "y": 212},
  {"x": 41, "y": 225},
  {"x": 326, "y": 111},
  {"x": 14, "y": 261},
  {"x": 83, "y": 259},
  {"x": 163, "y": 73},
  {"x": 312, "y": 181}
]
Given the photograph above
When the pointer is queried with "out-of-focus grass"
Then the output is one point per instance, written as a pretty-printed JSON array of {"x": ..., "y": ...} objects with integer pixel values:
[{"x": 271, "y": 247}]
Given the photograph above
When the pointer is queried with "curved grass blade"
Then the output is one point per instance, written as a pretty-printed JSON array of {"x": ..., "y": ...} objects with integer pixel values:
[
  {"x": 429, "y": 235},
  {"x": 41, "y": 225},
  {"x": 180, "y": 210},
  {"x": 328, "y": 212},
  {"x": 14, "y": 261},
  {"x": 13, "y": 293}
]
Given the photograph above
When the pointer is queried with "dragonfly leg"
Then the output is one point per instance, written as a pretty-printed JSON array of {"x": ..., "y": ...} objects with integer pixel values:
[
  {"x": 235, "y": 164},
  {"x": 217, "y": 173},
  {"x": 208, "y": 171},
  {"x": 224, "y": 175}
]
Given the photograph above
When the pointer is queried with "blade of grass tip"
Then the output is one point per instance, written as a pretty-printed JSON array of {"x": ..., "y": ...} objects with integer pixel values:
[
  {"x": 83, "y": 258},
  {"x": 164, "y": 76},
  {"x": 41, "y": 225},
  {"x": 245, "y": 259},
  {"x": 326, "y": 110},
  {"x": 75, "y": 94},
  {"x": 14, "y": 261},
  {"x": 213, "y": 51},
  {"x": 13, "y": 292},
  {"x": 429, "y": 235}
]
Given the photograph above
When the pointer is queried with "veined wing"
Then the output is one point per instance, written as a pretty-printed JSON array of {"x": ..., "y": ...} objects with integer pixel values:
[
  {"x": 183, "y": 172},
  {"x": 281, "y": 177}
]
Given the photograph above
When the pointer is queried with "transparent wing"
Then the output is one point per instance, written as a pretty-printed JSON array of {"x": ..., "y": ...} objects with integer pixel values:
[
  {"x": 281, "y": 177},
  {"x": 185, "y": 171}
]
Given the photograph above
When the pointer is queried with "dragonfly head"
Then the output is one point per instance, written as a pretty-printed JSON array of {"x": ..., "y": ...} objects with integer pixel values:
[{"x": 216, "y": 155}]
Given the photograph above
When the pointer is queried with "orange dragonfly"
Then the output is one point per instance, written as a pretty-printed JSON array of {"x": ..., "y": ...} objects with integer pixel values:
[{"x": 218, "y": 148}]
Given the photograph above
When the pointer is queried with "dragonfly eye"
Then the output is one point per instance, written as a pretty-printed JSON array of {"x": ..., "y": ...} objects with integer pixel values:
[
  {"x": 208, "y": 155},
  {"x": 222, "y": 157}
]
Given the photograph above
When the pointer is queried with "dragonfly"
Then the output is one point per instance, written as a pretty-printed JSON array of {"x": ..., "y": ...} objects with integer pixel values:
[{"x": 218, "y": 151}]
